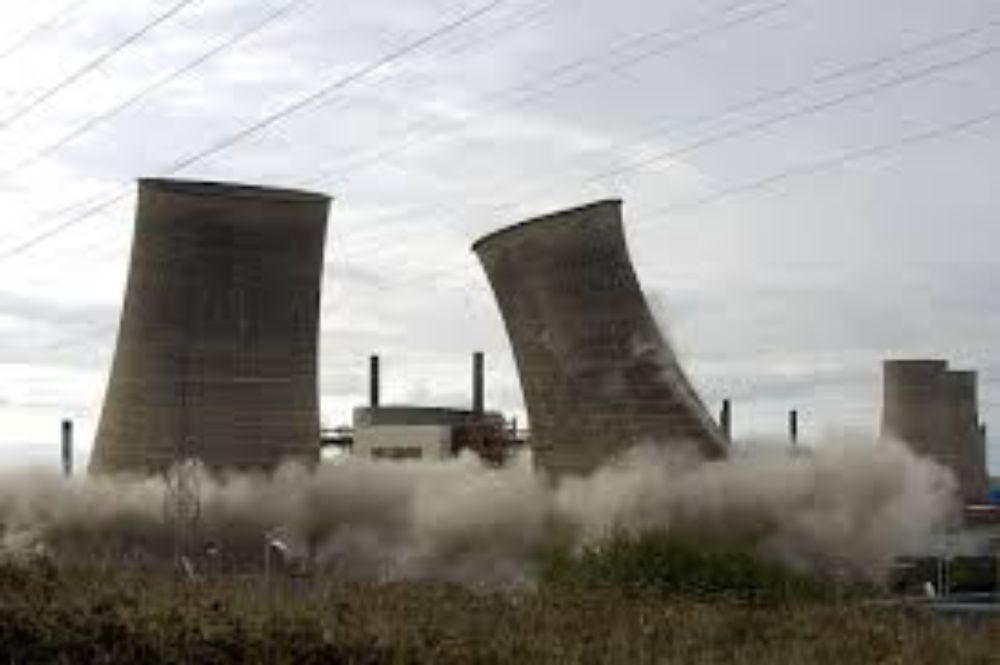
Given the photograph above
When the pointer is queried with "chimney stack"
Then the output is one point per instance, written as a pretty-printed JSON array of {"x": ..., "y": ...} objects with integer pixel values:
[
  {"x": 477, "y": 382},
  {"x": 726, "y": 419},
  {"x": 374, "y": 382},
  {"x": 67, "y": 447}
]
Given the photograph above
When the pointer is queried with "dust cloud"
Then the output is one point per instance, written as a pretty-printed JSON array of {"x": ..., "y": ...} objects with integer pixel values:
[{"x": 850, "y": 506}]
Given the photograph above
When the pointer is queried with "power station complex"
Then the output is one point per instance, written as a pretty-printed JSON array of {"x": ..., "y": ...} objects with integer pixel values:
[
  {"x": 217, "y": 348},
  {"x": 216, "y": 358}
]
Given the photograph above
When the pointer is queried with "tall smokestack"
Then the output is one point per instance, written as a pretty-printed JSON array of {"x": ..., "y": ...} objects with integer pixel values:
[
  {"x": 218, "y": 336},
  {"x": 374, "y": 382},
  {"x": 67, "y": 447},
  {"x": 726, "y": 419},
  {"x": 597, "y": 375},
  {"x": 478, "y": 382}
]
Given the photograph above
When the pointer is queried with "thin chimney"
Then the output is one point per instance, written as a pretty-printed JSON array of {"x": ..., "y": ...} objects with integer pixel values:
[
  {"x": 726, "y": 419},
  {"x": 67, "y": 447},
  {"x": 374, "y": 382},
  {"x": 478, "y": 363}
]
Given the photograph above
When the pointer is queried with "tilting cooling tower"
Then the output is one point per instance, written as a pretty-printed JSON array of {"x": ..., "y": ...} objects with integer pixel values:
[
  {"x": 216, "y": 354},
  {"x": 596, "y": 374},
  {"x": 935, "y": 411}
]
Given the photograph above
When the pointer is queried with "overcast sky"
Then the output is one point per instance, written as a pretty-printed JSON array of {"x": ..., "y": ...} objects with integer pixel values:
[{"x": 809, "y": 185}]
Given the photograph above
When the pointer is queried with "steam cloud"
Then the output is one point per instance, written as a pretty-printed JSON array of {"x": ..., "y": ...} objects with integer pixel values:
[{"x": 847, "y": 506}]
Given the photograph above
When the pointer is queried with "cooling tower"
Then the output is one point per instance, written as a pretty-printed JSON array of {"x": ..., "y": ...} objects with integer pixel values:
[
  {"x": 962, "y": 404},
  {"x": 913, "y": 408},
  {"x": 596, "y": 373},
  {"x": 935, "y": 411},
  {"x": 216, "y": 353}
]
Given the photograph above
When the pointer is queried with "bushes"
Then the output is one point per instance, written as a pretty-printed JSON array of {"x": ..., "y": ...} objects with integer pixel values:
[
  {"x": 660, "y": 563},
  {"x": 81, "y": 615}
]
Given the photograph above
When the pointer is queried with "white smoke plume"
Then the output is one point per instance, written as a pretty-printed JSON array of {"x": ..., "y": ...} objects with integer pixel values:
[{"x": 851, "y": 507}]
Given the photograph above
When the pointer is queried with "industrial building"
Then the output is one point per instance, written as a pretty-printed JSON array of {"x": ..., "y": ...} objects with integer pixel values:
[
  {"x": 394, "y": 432},
  {"x": 935, "y": 411},
  {"x": 217, "y": 345},
  {"x": 595, "y": 370}
]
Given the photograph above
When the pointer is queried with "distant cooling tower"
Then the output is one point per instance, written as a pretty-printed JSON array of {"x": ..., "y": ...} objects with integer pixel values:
[
  {"x": 935, "y": 411},
  {"x": 596, "y": 373},
  {"x": 216, "y": 354}
]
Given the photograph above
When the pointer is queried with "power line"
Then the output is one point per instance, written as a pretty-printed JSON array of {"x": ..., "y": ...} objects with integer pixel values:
[
  {"x": 754, "y": 127},
  {"x": 576, "y": 64},
  {"x": 92, "y": 123},
  {"x": 41, "y": 26},
  {"x": 510, "y": 99},
  {"x": 934, "y": 133},
  {"x": 93, "y": 64},
  {"x": 89, "y": 212},
  {"x": 262, "y": 124},
  {"x": 829, "y": 103},
  {"x": 308, "y": 100}
]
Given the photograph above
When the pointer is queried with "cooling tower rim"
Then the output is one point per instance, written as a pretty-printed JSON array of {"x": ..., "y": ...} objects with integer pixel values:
[
  {"x": 233, "y": 190},
  {"x": 916, "y": 363},
  {"x": 542, "y": 219},
  {"x": 967, "y": 376}
]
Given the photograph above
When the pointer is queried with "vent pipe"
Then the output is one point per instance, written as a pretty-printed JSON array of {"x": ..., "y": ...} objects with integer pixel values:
[
  {"x": 374, "y": 382},
  {"x": 726, "y": 419},
  {"x": 478, "y": 389},
  {"x": 67, "y": 447}
]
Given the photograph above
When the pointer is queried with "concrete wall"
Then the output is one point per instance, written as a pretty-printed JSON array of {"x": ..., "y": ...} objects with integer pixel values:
[
  {"x": 596, "y": 373},
  {"x": 216, "y": 353},
  {"x": 913, "y": 408}
]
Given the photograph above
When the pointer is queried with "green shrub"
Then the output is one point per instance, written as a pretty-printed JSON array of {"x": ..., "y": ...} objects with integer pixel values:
[{"x": 661, "y": 563}]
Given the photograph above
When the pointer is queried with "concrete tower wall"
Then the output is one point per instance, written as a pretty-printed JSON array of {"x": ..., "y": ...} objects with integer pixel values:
[
  {"x": 216, "y": 353},
  {"x": 913, "y": 410},
  {"x": 962, "y": 399},
  {"x": 596, "y": 373},
  {"x": 935, "y": 411}
]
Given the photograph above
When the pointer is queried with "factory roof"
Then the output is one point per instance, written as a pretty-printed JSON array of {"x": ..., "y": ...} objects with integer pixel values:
[{"x": 412, "y": 415}]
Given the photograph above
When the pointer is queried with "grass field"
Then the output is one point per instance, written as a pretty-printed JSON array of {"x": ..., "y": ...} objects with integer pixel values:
[{"x": 96, "y": 615}]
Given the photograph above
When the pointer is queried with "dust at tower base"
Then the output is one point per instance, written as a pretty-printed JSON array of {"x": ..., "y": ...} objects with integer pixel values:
[
  {"x": 217, "y": 345},
  {"x": 595, "y": 370}
]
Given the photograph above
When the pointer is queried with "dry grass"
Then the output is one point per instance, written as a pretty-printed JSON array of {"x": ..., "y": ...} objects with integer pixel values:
[{"x": 87, "y": 615}]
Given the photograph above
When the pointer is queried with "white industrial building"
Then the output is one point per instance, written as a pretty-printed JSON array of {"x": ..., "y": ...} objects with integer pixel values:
[{"x": 408, "y": 432}]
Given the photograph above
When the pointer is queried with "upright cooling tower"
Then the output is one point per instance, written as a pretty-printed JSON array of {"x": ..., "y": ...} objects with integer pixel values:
[
  {"x": 935, "y": 411},
  {"x": 597, "y": 375},
  {"x": 216, "y": 354},
  {"x": 913, "y": 408},
  {"x": 962, "y": 404}
]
